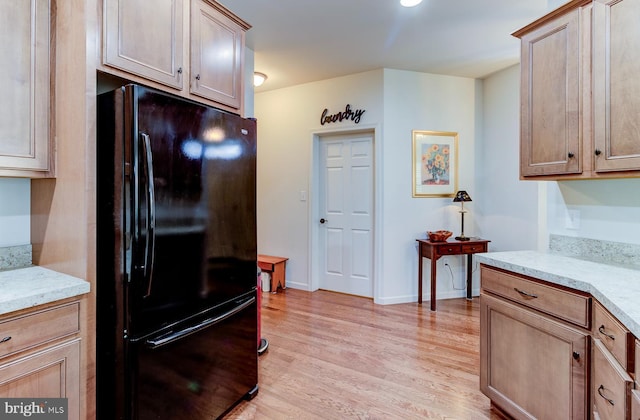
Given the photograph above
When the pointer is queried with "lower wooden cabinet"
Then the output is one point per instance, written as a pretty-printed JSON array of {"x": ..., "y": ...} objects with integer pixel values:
[
  {"x": 551, "y": 352},
  {"x": 40, "y": 355},
  {"x": 532, "y": 366}
]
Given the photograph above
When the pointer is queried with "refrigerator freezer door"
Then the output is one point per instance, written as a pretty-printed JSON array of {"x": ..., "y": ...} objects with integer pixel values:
[{"x": 202, "y": 374}]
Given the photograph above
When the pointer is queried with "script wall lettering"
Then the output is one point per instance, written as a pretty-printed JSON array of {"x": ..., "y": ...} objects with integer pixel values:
[{"x": 347, "y": 114}]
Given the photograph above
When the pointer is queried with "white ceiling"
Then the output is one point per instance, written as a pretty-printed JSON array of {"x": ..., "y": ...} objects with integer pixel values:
[{"x": 300, "y": 41}]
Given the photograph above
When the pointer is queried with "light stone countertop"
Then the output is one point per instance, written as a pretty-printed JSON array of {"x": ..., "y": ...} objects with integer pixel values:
[
  {"x": 616, "y": 288},
  {"x": 23, "y": 288}
]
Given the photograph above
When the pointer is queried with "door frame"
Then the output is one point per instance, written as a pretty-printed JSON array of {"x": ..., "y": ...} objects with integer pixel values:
[{"x": 314, "y": 211}]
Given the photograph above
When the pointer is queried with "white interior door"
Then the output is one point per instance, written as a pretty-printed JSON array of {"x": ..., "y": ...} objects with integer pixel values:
[{"x": 346, "y": 213}]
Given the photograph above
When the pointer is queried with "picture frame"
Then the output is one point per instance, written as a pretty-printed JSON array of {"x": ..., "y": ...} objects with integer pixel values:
[{"x": 435, "y": 163}]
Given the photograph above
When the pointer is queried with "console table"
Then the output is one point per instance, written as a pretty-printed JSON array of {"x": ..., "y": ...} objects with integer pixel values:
[{"x": 435, "y": 250}]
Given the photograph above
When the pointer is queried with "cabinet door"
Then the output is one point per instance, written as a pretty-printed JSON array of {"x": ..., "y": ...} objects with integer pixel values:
[
  {"x": 50, "y": 373},
  {"x": 145, "y": 38},
  {"x": 550, "y": 132},
  {"x": 217, "y": 55},
  {"x": 616, "y": 86},
  {"x": 530, "y": 365},
  {"x": 25, "y": 82}
]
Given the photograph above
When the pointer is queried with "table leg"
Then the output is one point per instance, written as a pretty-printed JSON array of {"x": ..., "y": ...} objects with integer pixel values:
[
  {"x": 434, "y": 263},
  {"x": 420, "y": 274},
  {"x": 469, "y": 285}
]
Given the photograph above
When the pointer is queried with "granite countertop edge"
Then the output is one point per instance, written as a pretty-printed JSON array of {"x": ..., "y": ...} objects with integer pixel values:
[
  {"x": 616, "y": 288},
  {"x": 24, "y": 288}
]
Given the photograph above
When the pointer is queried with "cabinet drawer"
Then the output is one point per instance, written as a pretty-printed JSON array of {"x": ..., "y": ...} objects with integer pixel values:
[
  {"x": 449, "y": 249},
  {"x": 471, "y": 249},
  {"x": 611, "y": 384},
  {"x": 24, "y": 332},
  {"x": 563, "y": 304},
  {"x": 613, "y": 334}
]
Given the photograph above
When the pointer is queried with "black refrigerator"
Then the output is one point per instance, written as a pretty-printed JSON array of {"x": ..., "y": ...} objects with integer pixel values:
[{"x": 176, "y": 262}]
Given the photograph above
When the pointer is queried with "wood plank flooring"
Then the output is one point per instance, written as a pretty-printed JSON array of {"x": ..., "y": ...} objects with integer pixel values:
[{"x": 335, "y": 356}]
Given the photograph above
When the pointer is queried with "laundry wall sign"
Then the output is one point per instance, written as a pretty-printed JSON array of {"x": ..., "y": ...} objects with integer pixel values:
[{"x": 348, "y": 114}]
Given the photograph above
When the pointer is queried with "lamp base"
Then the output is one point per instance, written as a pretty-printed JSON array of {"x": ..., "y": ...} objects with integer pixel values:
[{"x": 462, "y": 238}]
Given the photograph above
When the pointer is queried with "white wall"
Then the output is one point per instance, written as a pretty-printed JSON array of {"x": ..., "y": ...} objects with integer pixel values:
[
  {"x": 397, "y": 102},
  {"x": 607, "y": 209},
  {"x": 249, "y": 64},
  {"x": 287, "y": 120},
  {"x": 15, "y": 212},
  {"x": 420, "y": 101},
  {"x": 507, "y": 208}
]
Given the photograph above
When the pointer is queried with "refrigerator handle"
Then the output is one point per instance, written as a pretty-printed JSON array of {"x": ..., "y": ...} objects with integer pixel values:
[
  {"x": 149, "y": 251},
  {"x": 174, "y": 336}
]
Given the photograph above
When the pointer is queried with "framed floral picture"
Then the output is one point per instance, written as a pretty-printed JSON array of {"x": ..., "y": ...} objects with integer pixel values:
[{"x": 435, "y": 163}]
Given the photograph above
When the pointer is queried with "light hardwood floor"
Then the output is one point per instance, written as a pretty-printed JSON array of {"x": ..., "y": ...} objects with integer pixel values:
[{"x": 335, "y": 356}]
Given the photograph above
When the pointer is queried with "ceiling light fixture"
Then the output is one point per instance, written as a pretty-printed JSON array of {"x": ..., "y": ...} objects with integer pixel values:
[
  {"x": 259, "y": 78},
  {"x": 410, "y": 3}
]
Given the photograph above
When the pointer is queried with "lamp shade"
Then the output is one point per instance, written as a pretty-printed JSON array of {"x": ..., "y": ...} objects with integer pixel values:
[{"x": 461, "y": 196}]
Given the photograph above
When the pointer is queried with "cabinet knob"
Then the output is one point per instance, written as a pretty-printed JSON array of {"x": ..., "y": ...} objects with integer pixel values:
[
  {"x": 198, "y": 77},
  {"x": 597, "y": 152},
  {"x": 570, "y": 155},
  {"x": 576, "y": 355},
  {"x": 179, "y": 70}
]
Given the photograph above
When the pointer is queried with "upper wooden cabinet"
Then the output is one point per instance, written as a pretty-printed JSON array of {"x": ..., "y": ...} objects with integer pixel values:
[
  {"x": 217, "y": 42},
  {"x": 145, "y": 38},
  {"x": 570, "y": 130},
  {"x": 192, "y": 48},
  {"x": 616, "y": 87},
  {"x": 26, "y": 148},
  {"x": 551, "y": 115}
]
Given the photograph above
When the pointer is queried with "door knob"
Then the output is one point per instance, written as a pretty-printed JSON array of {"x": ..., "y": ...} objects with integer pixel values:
[{"x": 323, "y": 221}]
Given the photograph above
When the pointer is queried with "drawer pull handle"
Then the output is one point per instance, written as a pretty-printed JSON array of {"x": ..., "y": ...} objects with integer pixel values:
[
  {"x": 602, "y": 331},
  {"x": 523, "y": 293},
  {"x": 609, "y": 400},
  {"x": 5, "y": 339}
]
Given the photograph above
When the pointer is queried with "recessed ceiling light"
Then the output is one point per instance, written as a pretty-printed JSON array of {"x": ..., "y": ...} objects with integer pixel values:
[
  {"x": 259, "y": 78},
  {"x": 410, "y": 3}
]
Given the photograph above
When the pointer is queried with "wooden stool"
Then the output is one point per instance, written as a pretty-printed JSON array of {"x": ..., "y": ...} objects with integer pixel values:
[{"x": 276, "y": 267}]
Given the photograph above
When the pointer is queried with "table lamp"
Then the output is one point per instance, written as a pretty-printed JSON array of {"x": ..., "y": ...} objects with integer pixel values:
[{"x": 461, "y": 197}]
